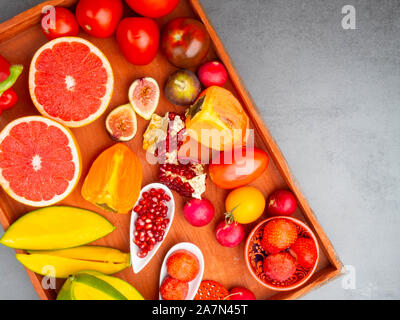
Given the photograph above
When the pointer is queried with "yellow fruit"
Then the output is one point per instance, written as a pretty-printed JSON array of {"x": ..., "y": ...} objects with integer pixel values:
[
  {"x": 245, "y": 204},
  {"x": 114, "y": 180},
  {"x": 57, "y": 227},
  {"x": 89, "y": 253},
  {"x": 63, "y": 267},
  {"x": 91, "y": 285}
]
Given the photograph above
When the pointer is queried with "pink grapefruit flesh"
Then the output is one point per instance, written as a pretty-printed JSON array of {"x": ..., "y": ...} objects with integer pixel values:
[
  {"x": 70, "y": 81},
  {"x": 39, "y": 161}
]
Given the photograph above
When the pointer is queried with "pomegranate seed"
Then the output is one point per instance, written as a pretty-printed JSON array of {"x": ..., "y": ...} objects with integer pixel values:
[
  {"x": 166, "y": 197},
  {"x": 142, "y": 254}
]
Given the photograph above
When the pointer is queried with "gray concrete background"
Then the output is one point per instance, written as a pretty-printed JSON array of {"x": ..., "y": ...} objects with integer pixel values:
[{"x": 331, "y": 99}]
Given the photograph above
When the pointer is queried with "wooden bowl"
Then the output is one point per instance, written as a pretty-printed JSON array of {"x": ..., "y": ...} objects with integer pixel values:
[{"x": 255, "y": 255}]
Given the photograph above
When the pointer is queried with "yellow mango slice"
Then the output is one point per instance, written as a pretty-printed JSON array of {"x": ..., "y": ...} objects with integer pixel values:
[
  {"x": 89, "y": 253},
  {"x": 64, "y": 267},
  {"x": 88, "y": 287},
  {"x": 122, "y": 286},
  {"x": 56, "y": 227},
  {"x": 78, "y": 288}
]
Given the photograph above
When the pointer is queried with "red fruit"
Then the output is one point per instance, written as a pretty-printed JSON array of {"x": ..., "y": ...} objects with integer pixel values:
[
  {"x": 279, "y": 266},
  {"x": 279, "y": 234},
  {"x": 240, "y": 293},
  {"x": 305, "y": 251},
  {"x": 138, "y": 39},
  {"x": 281, "y": 203},
  {"x": 211, "y": 290},
  {"x": 174, "y": 289},
  {"x": 185, "y": 42},
  {"x": 63, "y": 25},
  {"x": 153, "y": 8},
  {"x": 198, "y": 212},
  {"x": 212, "y": 73},
  {"x": 229, "y": 234},
  {"x": 99, "y": 18},
  {"x": 183, "y": 265}
]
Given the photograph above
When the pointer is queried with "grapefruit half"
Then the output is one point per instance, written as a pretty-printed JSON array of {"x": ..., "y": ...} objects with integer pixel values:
[
  {"x": 70, "y": 81},
  {"x": 40, "y": 162}
]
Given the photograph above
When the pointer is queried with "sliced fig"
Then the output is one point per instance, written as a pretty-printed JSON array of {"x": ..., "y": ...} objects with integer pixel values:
[
  {"x": 144, "y": 94},
  {"x": 182, "y": 88},
  {"x": 121, "y": 123}
]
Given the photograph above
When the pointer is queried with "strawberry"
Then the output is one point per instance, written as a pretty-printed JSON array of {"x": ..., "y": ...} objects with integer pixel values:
[
  {"x": 305, "y": 251},
  {"x": 174, "y": 289},
  {"x": 279, "y": 234},
  {"x": 279, "y": 266}
]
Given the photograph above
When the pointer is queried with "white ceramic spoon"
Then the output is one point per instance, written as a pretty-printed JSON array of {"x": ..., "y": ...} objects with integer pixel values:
[
  {"x": 195, "y": 283},
  {"x": 139, "y": 263}
]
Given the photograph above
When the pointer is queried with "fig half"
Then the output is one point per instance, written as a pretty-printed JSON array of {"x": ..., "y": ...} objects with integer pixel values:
[
  {"x": 121, "y": 123},
  {"x": 144, "y": 95}
]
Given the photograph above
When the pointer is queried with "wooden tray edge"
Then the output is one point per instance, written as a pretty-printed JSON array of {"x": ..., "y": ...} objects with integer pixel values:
[{"x": 25, "y": 19}]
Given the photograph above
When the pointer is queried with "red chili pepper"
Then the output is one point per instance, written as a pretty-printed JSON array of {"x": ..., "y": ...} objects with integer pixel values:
[{"x": 8, "y": 76}]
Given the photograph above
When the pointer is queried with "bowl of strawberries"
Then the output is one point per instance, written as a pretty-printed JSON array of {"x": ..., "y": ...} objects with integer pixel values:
[{"x": 282, "y": 253}]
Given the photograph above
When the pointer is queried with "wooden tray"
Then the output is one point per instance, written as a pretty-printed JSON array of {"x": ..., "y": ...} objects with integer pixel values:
[{"x": 21, "y": 36}]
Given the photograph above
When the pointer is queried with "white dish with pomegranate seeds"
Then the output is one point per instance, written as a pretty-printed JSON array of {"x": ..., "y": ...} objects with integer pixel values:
[
  {"x": 152, "y": 222},
  {"x": 195, "y": 283}
]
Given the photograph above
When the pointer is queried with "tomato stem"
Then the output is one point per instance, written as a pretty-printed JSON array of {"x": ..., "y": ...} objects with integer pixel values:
[{"x": 229, "y": 217}]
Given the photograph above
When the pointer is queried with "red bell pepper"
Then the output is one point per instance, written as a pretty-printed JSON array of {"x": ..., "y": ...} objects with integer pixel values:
[{"x": 8, "y": 76}]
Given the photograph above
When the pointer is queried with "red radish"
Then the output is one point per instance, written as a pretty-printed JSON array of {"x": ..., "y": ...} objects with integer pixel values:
[
  {"x": 281, "y": 203},
  {"x": 198, "y": 212},
  {"x": 213, "y": 73},
  {"x": 240, "y": 293},
  {"x": 229, "y": 234}
]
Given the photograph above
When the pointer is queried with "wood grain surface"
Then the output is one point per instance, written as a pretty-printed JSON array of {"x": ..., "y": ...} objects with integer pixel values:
[{"x": 21, "y": 36}]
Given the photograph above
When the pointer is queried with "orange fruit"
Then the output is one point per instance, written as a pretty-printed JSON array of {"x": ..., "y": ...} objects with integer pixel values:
[
  {"x": 183, "y": 265},
  {"x": 217, "y": 120},
  {"x": 40, "y": 162},
  {"x": 70, "y": 81}
]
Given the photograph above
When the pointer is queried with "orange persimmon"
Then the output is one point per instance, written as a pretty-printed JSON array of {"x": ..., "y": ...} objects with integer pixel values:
[
  {"x": 217, "y": 120},
  {"x": 114, "y": 179}
]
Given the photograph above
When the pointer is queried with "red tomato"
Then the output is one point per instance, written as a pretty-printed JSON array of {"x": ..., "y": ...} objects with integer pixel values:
[
  {"x": 238, "y": 168},
  {"x": 99, "y": 18},
  {"x": 138, "y": 39},
  {"x": 64, "y": 25},
  {"x": 153, "y": 8},
  {"x": 185, "y": 42}
]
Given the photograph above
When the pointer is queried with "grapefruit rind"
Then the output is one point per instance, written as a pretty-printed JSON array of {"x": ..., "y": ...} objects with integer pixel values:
[
  {"x": 109, "y": 87},
  {"x": 76, "y": 158}
]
